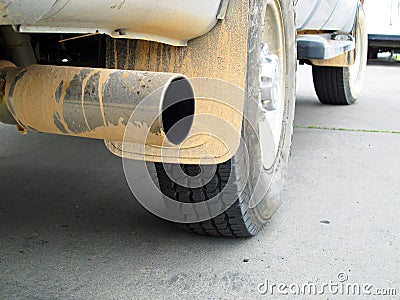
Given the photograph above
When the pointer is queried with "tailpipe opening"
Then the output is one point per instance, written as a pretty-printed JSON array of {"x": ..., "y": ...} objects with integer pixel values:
[
  {"x": 98, "y": 103},
  {"x": 178, "y": 108}
]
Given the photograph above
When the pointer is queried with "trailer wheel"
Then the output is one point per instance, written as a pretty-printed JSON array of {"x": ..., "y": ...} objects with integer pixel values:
[
  {"x": 373, "y": 53},
  {"x": 342, "y": 85},
  {"x": 242, "y": 220}
]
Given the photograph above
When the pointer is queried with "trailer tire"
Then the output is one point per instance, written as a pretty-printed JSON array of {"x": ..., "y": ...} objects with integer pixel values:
[{"x": 342, "y": 85}]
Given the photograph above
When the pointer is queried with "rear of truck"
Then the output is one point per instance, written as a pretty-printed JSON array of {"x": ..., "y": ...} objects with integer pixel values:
[{"x": 197, "y": 97}]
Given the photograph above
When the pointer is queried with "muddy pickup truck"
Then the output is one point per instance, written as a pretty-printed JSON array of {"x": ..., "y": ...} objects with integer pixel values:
[{"x": 197, "y": 97}]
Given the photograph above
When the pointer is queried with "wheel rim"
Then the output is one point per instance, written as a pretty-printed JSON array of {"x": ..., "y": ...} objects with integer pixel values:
[
  {"x": 357, "y": 70},
  {"x": 271, "y": 126}
]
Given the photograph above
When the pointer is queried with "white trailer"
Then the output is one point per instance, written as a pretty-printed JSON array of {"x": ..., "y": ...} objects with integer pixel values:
[{"x": 383, "y": 26}]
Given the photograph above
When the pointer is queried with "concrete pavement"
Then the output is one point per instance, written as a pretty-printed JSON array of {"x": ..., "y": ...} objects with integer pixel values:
[{"x": 70, "y": 229}]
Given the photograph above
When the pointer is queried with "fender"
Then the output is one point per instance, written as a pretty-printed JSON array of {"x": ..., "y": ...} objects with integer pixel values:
[
  {"x": 169, "y": 21},
  {"x": 332, "y": 15},
  {"x": 220, "y": 55}
]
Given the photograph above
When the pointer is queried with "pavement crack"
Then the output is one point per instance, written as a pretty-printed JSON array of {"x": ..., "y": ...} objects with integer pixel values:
[{"x": 347, "y": 129}]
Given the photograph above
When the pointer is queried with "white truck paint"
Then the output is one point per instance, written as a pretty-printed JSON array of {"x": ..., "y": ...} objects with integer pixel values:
[
  {"x": 383, "y": 17},
  {"x": 168, "y": 21},
  {"x": 335, "y": 15},
  {"x": 383, "y": 26}
]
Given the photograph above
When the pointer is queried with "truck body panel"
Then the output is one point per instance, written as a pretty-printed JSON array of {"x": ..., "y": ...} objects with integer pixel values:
[
  {"x": 169, "y": 21},
  {"x": 384, "y": 24},
  {"x": 337, "y": 15}
]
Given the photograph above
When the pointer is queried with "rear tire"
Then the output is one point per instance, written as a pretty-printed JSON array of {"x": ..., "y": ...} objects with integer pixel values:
[
  {"x": 246, "y": 167},
  {"x": 342, "y": 85},
  {"x": 373, "y": 53}
]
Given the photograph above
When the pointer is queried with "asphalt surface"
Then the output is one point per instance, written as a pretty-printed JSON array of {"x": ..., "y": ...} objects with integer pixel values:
[{"x": 70, "y": 228}]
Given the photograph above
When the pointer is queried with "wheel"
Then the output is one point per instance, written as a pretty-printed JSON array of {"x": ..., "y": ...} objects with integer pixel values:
[
  {"x": 342, "y": 85},
  {"x": 373, "y": 53},
  {"x": 258, "y": 169}
]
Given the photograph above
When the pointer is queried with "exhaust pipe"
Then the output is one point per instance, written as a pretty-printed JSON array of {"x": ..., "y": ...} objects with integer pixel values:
[{"x": 97, "y": 103}]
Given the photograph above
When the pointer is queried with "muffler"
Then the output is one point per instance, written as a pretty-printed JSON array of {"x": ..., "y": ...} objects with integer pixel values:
[{"x": 97, "y": 103}]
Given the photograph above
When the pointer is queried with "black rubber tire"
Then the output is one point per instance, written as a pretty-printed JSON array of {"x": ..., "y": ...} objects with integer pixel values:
[
  {"x": 333, "y": 84},
  {"x": 373, "y": 53},
  {"x": 239, "y": 220}
]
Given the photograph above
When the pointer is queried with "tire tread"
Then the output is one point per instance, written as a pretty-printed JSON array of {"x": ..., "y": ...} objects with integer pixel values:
[{"x": 329, "y": 83}]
